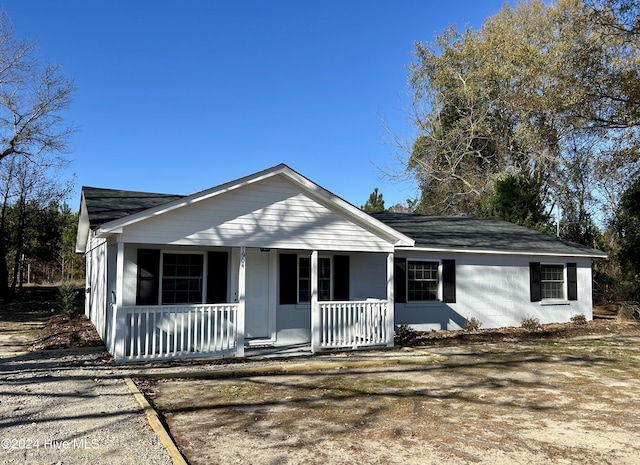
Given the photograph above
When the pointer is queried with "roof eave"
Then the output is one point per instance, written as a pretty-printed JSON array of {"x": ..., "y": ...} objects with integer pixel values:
[
  {"x": 314, "y": 190},
  {"x": 500, "y": 252},
  {"x": 82, "y": 234}
]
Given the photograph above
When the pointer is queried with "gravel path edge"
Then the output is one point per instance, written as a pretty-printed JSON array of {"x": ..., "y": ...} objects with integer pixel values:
[{"x": 158, "y": 427}]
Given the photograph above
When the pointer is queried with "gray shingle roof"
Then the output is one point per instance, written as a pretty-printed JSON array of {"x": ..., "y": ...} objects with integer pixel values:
[
  {"x": 475, "y": 234},
  {"x": 430, "y": 232},
  {"x": 104, "y": 205}
]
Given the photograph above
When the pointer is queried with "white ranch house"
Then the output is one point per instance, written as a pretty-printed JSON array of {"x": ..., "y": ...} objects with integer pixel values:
[{"x": 273, "y": 259}]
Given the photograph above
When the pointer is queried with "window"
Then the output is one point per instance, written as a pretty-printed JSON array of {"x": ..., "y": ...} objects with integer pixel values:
[
  {"x": 182, "y": 278},
  {"x": 552, "y": 281},
  {"x": 324, "y": 278},
  {"x": 422, "y": 280},
  {"x": 178, "y": 278},
  {"x": 295, "y": 278},
  {"x": 548, "y": 281},
  {"x": 304, "y": 280}
]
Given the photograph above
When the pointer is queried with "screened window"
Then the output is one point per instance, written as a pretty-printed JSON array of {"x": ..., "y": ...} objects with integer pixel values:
[
  {"x": 422, "y": 280},
  {"x": 182, "y": 276},
  {"x": 552, "y": 281}
]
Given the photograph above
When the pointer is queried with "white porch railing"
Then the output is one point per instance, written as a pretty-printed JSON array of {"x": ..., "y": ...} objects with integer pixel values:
[
  {"x": 167, "y": 331},
  {"x": 354, "y": 324}
]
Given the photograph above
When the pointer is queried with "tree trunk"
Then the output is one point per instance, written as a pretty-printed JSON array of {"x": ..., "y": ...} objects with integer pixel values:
[
  {"x": 22, "y": 211},
  {"x": 4, "y": 269}
]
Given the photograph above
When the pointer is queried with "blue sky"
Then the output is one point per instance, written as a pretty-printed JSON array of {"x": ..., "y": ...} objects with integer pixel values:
[{"x": 179, "y": 96}]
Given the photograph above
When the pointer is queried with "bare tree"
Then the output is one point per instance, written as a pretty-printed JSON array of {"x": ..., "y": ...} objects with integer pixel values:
[{"x": 32, "y": 130}]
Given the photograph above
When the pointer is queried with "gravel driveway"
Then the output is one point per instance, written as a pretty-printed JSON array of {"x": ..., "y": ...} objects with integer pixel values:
[{"x": 71, "y": 408}]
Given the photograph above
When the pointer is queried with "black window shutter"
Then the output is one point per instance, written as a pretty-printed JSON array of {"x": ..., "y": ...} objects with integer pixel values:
[
  {"x": 449, "y": 281},
  {"x": 572, "y": 281},
  {"x": 341, "y": 277},
  {"x": 148, "y": 283},
  {"x": 534, "y": 276},
  {"x": 288, "y": 279},
  {"x": 217, "y": 276},
  {"x": 400, "y": 279}
]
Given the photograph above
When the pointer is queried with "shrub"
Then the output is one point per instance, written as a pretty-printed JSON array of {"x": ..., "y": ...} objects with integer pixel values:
[
  {"x": 67, "y": 299},
  {"x": 472, "y": 324},
  {"x": 74, "y": 338},
  {"x": 530, "y": 323},
  {"x": 404, "y": 334},
  {"x": 628, "y": 311},
  {"x": 579, "y": 319}
]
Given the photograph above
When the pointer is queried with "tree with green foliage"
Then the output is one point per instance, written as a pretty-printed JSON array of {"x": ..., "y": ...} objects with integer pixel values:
[
  {"x": 375, "y": 202},
  {"x": 516, "y": 198},
  {"x": 546, "y": 91},
  {"x": 44, "y": 245},
  {"x": 628, "y": 228}
]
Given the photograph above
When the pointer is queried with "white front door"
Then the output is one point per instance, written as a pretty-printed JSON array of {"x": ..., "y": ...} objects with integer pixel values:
[{"x": 257, "y": 295}]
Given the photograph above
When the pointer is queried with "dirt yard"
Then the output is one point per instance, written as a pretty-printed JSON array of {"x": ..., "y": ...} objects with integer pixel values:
[
  {"x": 535, "y": 402},
  {"x": 563, "y": 394}
]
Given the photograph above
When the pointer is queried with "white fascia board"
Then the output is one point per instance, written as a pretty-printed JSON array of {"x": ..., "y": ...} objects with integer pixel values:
[
  {"x": 330, "y": 199},
  {"x": 82, "y": 234},
  {"x": 116, "y": 226},
  {"x": 497, "y": 252},
  {"x": 101, "y": 232},
  {"x": 308, "y": 186}
]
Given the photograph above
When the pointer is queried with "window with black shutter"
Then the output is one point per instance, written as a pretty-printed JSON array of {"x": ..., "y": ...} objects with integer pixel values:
[
  {"x": 547, "y": 281},
  {"x": 419, "y": 280},
  {"x": 295, "y": 278}
]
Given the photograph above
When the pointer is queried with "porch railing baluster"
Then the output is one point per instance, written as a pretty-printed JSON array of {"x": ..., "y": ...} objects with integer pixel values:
[
  {"x": 161, "y": 332},
  {"x": 353, "y": 324}
]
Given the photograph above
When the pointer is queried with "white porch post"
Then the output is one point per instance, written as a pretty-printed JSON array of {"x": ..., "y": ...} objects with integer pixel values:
[
  {"x": 316, "y": 319},
  {"x": 391, "y": 313},
  {"x": 119, "y": 316},
  {"x": 242, "y": 273},
  {"x": 88, "y": 269}
]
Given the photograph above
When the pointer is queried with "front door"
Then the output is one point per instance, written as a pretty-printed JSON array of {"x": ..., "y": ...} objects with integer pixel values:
[{"x": 256, "y": 321}]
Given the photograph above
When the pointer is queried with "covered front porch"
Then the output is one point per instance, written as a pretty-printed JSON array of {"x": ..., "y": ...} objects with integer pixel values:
[{"x": 159, "y": 332}]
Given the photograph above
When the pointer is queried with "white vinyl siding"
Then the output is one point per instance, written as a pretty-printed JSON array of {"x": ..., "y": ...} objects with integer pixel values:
[{"x": 270, "y": 213}]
